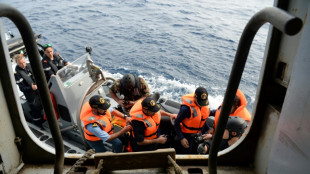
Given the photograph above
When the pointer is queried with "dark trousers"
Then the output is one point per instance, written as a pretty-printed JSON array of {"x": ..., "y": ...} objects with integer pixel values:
[
  {"x": 36, "y": 111},
  {"x": 192, "y": 145},
  {"x": 99, "y": 146}
]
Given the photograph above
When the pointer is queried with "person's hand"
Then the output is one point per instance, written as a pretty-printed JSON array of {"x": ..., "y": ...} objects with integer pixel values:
[
  {"x": 172, "y": 119},
  {"x": 121, "y": 102},
  {"x": 162, "y": 139},
  {"x": 128, "y": 103},
  {"x": 173, "y": 116},
  {"x": 128, "y": 119},
  {"x": 34, "y": 87},
  {"x": 128, "y": 128},
  {"x": 207, "y": 136},
  {"x": 184, "y": 143}
]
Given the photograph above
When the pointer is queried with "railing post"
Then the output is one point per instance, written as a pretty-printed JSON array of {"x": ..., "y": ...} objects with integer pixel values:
[
  {"x": 35, "y": 61},
  {"x": 281, "y": 20}
]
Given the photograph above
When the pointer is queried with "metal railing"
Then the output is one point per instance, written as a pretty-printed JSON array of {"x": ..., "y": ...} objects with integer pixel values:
[
  {"x": 33, "y": 54},
  {"x": 281, "y": 20}
]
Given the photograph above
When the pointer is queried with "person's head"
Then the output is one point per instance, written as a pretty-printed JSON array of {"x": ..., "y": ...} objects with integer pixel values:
[
  {"x": 20, "y": 60},
  {"x": 210, "y": 123},
  {"x": 48, "y": 50},
  {"x": 201, "y": 96},
  {"x": 149, "y": 106},
  {"x": 236, "y": 104},
  {"x": 128, "y": 81},
  {"x": 235, "y": 127},
  {"x": 99, "y": 104}
]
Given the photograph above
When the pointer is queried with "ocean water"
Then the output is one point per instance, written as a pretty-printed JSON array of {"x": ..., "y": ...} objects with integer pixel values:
[{"x": 174, "y": 45}]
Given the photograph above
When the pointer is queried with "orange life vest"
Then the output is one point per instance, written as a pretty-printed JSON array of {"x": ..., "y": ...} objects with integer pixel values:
[
  {"x": 151, "y": 122},
  {"x": 241, "y": 111},
  {"x": 121, "y": 122},
  {"x": 88, "y": 117},
  {"x": 198, "y": 117}
]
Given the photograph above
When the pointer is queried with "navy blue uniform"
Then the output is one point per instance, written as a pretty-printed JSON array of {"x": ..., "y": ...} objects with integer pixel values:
[
  {"x": 138, "y": 129},
  {"x": 52, "y": 66},
  {"x": 24, "y": 78},
  {"x": 185, "y": 112}
]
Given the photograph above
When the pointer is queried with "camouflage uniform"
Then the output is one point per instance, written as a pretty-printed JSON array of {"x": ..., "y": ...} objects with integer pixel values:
[{"x": 143, "y": 91}]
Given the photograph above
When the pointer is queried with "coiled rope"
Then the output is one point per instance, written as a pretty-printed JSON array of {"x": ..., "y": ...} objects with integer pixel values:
[
  {"x": 80, "y": 161},
  {"x": 177, "y": 168},
  {"x": 99, "y": 167}
]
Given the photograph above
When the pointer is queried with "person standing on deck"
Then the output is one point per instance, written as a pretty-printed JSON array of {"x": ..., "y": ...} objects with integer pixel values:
[
  {"x": 52, "y": 62},
  {"x": 26, "y": 83}
]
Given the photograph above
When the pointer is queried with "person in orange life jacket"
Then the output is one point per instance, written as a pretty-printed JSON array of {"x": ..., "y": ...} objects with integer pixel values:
[
  {"x": 96, "y": 117},
  {"x": 234, "y": 129},
  {"x": 238, "y": 109},
  {"x": 146, "y": 116},
  {"x": 52, "y": 62},
  {"x": 26, "y": 83},
  {"x": 130, "y": 88},
  {"x": 191, "y": 120}
]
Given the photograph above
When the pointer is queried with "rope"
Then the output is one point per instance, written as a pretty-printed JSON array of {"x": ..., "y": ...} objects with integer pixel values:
[
  {"x": 177, "y": 168},
  {"x": 99, "y": 167},
  {"x": 80, "y": 161}
]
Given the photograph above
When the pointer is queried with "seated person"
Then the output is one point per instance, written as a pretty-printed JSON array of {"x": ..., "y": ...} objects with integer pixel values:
[
  {"x": 52, "y": 62},
  {"x": 238, "y": 108},
  {"x": 146, "y": 116},
  {"x": 191, "y": 120},
  {"x": 234, "y": 129},
  {"x": 96, "y": 117}
]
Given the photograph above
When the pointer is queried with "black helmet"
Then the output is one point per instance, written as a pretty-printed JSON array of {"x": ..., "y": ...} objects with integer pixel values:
[
  {"x": 210, "y": 121},
  {"x": 236, "y": 124},
  {"x": 128, "y": 81}
]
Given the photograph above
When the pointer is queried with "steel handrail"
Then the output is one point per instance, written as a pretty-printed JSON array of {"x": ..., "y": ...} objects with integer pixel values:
[
  {"x": 33, "y": 54},
  {"x": 281, "y": 20}
]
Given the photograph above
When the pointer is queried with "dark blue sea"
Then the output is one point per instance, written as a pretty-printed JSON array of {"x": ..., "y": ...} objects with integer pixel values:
[{"x": 174, "y": 45}]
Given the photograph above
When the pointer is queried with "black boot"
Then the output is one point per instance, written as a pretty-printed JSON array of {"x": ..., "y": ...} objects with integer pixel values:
[{"x": 39, "y": 123}]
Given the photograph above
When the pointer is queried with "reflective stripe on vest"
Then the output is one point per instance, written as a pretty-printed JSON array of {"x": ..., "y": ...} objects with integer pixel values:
[
  {"x": 151, "y": 122},
  {"x": 198, "y": 117},
  {"x": 195, "y": 114},
  {"x": 88, "y": 117},
  {"x": 26, "y": 77}
]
